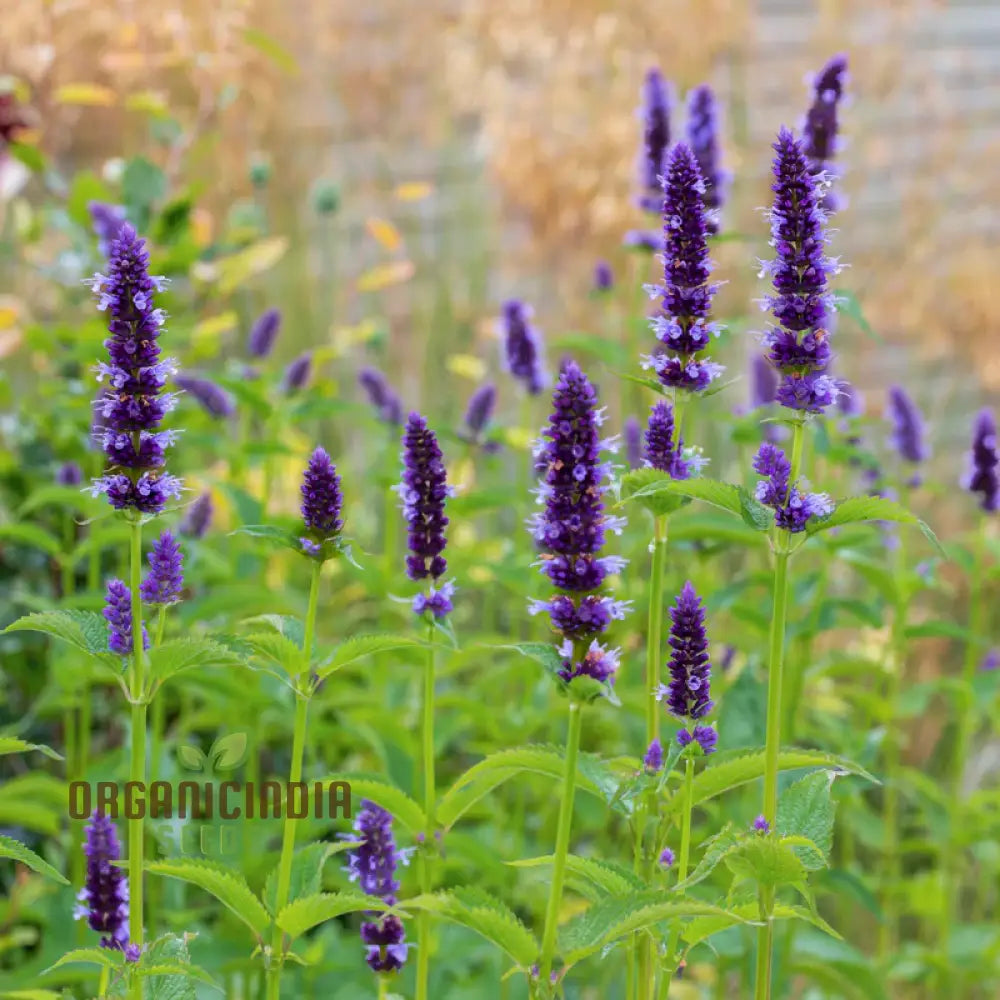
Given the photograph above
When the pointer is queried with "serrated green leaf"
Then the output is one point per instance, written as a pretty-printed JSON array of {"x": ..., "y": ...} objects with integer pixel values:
[
  {"x": 310, "y": 911},
  {"x": 766, "y": 861},
  {"x": 755, "y": 515},
  {"x": 607, "y": 878},
  {"x": 541, "y": 652},
  {"x": 278, "y": 649},
  {"x": 106, "y": 957},
  {"x": 404, "y": 809},
  {"x": 716, "y": 849},
  {"x": 25, "y": 533},
  {"x": 658, "y": 504},
  {"x": 178, "y": 655},
  {"x": 168, "y": 956},
  {"x": 359, "y": 647},
  {"x": 87, "y": 631},
  {"x": 227, "y": 885},
  {"x": 12, "y": 849},
  {"x": 806, "y": 809},
  {"x": 306, "y": 875},
  {"x": 287, "y": 625},
  {"x": 274, "y": 536},
  {"x": 704, "y": 927},
  {"x": 11, "y": 744},
  {"x": 488, "y": 917},
  {"x": 856, "y": 510},
  {"x": 725, "y": 496}
]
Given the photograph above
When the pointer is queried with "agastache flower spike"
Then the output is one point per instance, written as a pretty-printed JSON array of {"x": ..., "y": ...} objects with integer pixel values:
[
  {"x": 69, "y": 474},
  {"x": 633, "y": 442},
  {"x": 571, "y": 528},
  {"x": 214, "y": 400},
  {"x": 297, "y": 373},
  {"x": 106, "y": 221},
  {"x": 683, "y": 326},
  {"x": 798, "y": 345},
  {"x": 662, "y": 451},
  {"x": 604, "y": 279},
  {"x": 792, "y": 508},
  {"x": 165, "y": 581},
  {"x": 373, "y": 866},
  {"x": 118, "y": 614},
  {"x": 478, "y": 415},
  {"x": 381, "y": 395},
  {"x": 133, "y": 404},
  {"x": 908, "y": 435},
  {"x": 819, "y": 130},
  {"x": 322, "y": 501},
  {"x": 522, "y": 346},
  {"x": 103, "y": 901},
  {"x": 655, "y": 113},
  {"x": 703, "y": 137},
  {"x": 653, "y": 761},
  {"x": 982, "y": 477},
  {"x": 264, "y": 333},
  {"x": 198, "y": 517}
]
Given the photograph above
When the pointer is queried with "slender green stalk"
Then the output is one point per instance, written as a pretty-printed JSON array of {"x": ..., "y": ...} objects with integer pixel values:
[
  {"x": 562, "y": 843},
  {"x": 137, "y": 765},
  {"x": 764, "y": 942},
  {"x": 383, "y": 987},
  {"x": 430, "y": 803},
  {"x": 682, "y": 869},
  {"x": 102, "y": 985},
  {"x": 302, "y": 696},
  {"x": 654, "y": 628}
]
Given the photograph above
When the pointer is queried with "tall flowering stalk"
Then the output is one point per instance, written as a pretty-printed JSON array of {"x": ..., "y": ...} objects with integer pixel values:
[
  {"x": 703, "y": 138},
  {"x": 521, "y": 346},
  {"x": 128, "y": 414},
  {"x": 654, "y": 113},
  {"x": 423, "y": 492},
  {"x": 570, "y": 533},
  {"x": 820, "y": 128}
]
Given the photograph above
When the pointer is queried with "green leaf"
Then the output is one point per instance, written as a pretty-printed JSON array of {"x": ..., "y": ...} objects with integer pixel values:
[
  {"x": 404, "y": 809},
  {"x": 32, "y": 535},
  {"x": 716, "y": 848},
  {"x": 279, "y": 649},
  {"x": 309, "y": 911},
  {"x": 85, "y": 630},
  {"x": 855, "y": 510},
  {"x": 227, "y": 752},
  {"x": 279, "y": 538},
  {"x": 274, "y": 50},
  {"x": 167, "y": 963},
  {"x": 488, "y": 917},
  {"x": 31, "y": 156},
  {"x": 287, "y": 625},
  {"x": 725, "y": 496},
  {"x": 806, "y": 809},
  {"x": 306, "y": 875},
  {"x": 637, "y": 481},
  {"x": 541, "y": 652},
  {"x": 606, "y": 878},
  {"x": 360, "y": 646},
  {"x": 106, "y": 957},
  {"x": 766, "y": 861},
  {"x": 616, "y": 917},
  {"x": 847, "y": 304},
  {"x": 704, "y": 927},
  {"x": 177, "y": 655},
  {"x": 730, "y": 771},
  {"x": 12, "y": 849},
  {"x": 227, "y": 885},
  {"x": 10, "y": 744}
]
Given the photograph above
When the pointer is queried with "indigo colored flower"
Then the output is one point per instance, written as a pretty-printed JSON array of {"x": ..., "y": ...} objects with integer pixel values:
[
  {"x": 705, "y": 736},
  {"x": 991, "y": 661},
  {"x": 381, "y": 395},
  {"x": 666, "y": 857},
  {"x": 103, "y": 900},
  {"x": 598, "y": 662},
  {"x": 69, "y": 474},
  {"x": 604, "y": 279},
  {"x": 655, "y": 114},
  {"x": 118, "y": 614},
  {"x": 683, "y": 326},
  {"x": 106, "y": 221},
  {"x": 792, "y": 508},
  {"x": 437, "y": 601},
  {"x": 983, "y": 459},
  {"x": 478, "y": 415},
  {"x": 165, "y": 581},
  {"x": 198, "y": 516},
  {"x": 133, "y": 404},
  {"x": 763, "y": 382},
  {"x": 372, "y": 864},
  {"x": 522, "y": 346},
  {"x": 214, "y": 400},
  {"x": 761, "y": 825},
  {"x": 423, "y": 492},
  {"x": 850, "y": 402},
  {"x": 297, "y": 373},
  {"x": 798, "y": 344},
  {"x": 580, "y": 619},
  {"x": 662, "y": 451},
  {"x": 648, "y": 240},
  {"x": 908, "y": 434},
  {"x": 688, "y": 694},
  {"x": 728, "y": 656},
  {"x": 322, "y": 501},
  {"x": 653, "y": 761},
  {"x": 264, "y": 333},
  {"x": 632, "y": 433},
  {"x": 819, "y": 130},
  {"x": 703, "y": 138}
]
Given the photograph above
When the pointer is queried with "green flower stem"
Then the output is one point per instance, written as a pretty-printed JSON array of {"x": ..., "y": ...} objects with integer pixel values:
[
  {"x": 682, "y": 870},
  {"x": 137, "y": 765},
  {"x": 102, "y": 985},
  {"x": 430, "y": 801},
  {"x": 562, "y": 845},
  {"x": 157, "y": 725},
  {"x": 654, "y": 628},
  {"x": 764, "y": 941},
  {"x": 302, "y": 696}
]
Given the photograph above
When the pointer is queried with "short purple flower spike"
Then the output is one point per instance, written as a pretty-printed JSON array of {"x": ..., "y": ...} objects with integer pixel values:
[
  {"x": 297, "y": 373},
  {"x": 106, "y": 221},
  {"x": 478, "y": 414},
  {"x": 381, "y": 396},
  {"x": 761, "y": 825},
  {"x": 604, "y": 279},
  {"x": 522, "y": 346},
  {"x": 133, "y": 403},
  {"x": 792, "y": 508},
  {"x": 423, "y": 493},
  {"x": 198, "y": 516},
  {"x": 632, "y": 433},
  {"x": 663, "y": 451},
  {"x": 819, "y": 130},
  {"x": 373, "y": 866},
  {"x": 667, "y": 857},
  {"x": 908, "y": 433},
  {"x": 655, "y": 113},
  {"x": 165, "y": 581},
  {"x": 103, "y": 901},
  {"x": 322, "y": 501},
  {"x": 688, "y": 694},
  {"x": 118, "y": 614},
  {"x": 69, "y": 474},
  {"x": 653, "y": 761},
  {"x": 213, "y": 399},
  {"x": 264, "y": 333},
  {"x": 703, "y": 138},
  {"x": 982, "y": 477}
]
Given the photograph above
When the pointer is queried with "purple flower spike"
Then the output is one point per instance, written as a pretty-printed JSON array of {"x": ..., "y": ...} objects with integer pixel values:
[
  {"x": 103, "y": 901},
  {"x": 423, "y": 493},
  {"x": 479, "y": 413},
  {"x": 819, "y": 130},
  {"x": 761, "y": 825},
  {"x": 522, "y": 346},
  {"x": 633, "y": 442},
  {"x": 118, "y": 614},
  {"x": 214, "y": 400},
  {"x": 322, "y": 501},
  {"x": 132, "y": 405},
  {"x": 763, "y": 382},
  {"x": 662, "y": 451},
  {"x": 198, "y": 517},
  {"x": 688, "y": 694},
  {"x": 165, "y": 581},
  {"x": 792, "y": 508},
  {"x": 297, "y": 373},
  {"x": 381, "y": 395},
  {"x": 604, "y": 279},
  {"x": 655, "y": 113},
  {"x": 703, "y": 137},
  {"x": 798, "y": 344},
  {"x": 106, "y": 221},
  {"x": 705, "y": 736},
  {"x": 653, "y": 761},
  {"x": 69, "y": 474},
  {"x": 373, "y": 866},
  {"x": 908, "y": 434},
  {"x": 264, "y": 333},
  {"x": 982, "y": 477},
  {"x": 667, "y": 857},
  {"x": 991, "y": 661}
]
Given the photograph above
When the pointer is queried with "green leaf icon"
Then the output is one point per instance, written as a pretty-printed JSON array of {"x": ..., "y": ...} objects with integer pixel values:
[
  {"x": 228, "y": 751},
  {"x": 191, "y": 757}
]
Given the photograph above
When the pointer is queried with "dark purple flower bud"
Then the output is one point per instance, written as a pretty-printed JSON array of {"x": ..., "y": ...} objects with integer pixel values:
[
  {"x": 703, "y": 138},
  {"x": 437, "y": 601},
  {"x": 663, "y": 452},
  {"x": 423, "y": 493},
  {"x": 297, "y": 373},
  {"x": 983, "y": 459},
  {"x": 103, "y": 901},
  {"x": 655, "y": 114},
  {"x": 705, "y": 736},
  {"x": 214, "y": 400},
  {"x": 633, "y": 442},
  {"x": 133, "y": 404},
  {"x": 165, "y": 581},
  {"x": 198, "y": 517},
  {"x": 522, "y": 346},
  {"x": 908, "y": 435},
  {"x": 69, "y": 474},
  {"x": 322, "y": 499},
  {"x": 688, "y": 694},
  {"x": 819, "y": 130},
  {"x": 792, "y": 508},
  {"x": 653, "y": 761},
  {"x": 761, "y": 825},
  {"x": 372, "y": 864},
  {"x": 264, "y": 333},
  {"x": 118, "y": 614},
  {"x": 479, "y": 412},
  {"x": 604, "y": 279},
  {"x": 798, "y": 344},
  {"x": 106, "y": 221},
  {"x": 381, "y": 395},
  {"x": 666, "y": 858}
]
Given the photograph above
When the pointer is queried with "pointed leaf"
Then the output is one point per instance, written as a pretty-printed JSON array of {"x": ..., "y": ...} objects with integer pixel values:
[
  {"x": 11, "y": 744},
  {"x": 636, "y": 485},
  {"x": 359, "y": 647},
  {"x": 806, "y": 809},
  {"x": 306, "y": 875},
  {"x": 310, "y": 911},
  {"x": 855, "y": 510},
  {"x": 178, "y": 655},
  {"x": 12, "y": 849},
  {"x": 394, "y": 800},
  {"x": 107, "y": 957},
  {"x": 87, "y": 631},
  {"x": 607, "y": 878}
]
